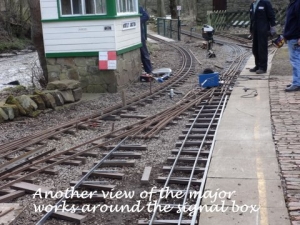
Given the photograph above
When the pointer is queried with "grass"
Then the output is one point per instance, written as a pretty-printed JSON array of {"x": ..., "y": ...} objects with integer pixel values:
[{"x": 13, "y": 44}]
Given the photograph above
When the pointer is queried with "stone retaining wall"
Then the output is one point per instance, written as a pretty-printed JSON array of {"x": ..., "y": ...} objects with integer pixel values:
[{"x": 93, "y": 80}]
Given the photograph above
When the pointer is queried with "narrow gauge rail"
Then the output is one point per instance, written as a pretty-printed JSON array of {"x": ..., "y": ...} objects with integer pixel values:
[
  {"x": 190, "y": 101},
  {"x": 179, "y": 77},
  {"x": 187, "y": 174},
  {"x": 212, "y": 103},
  {"x": 189, "y": 167}
]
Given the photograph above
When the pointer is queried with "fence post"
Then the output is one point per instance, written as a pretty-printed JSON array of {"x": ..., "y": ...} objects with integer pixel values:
[{"x": 158, "y": 24}]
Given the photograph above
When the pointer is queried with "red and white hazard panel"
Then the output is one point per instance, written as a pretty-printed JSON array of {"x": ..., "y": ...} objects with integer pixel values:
[{"x": 108, "y": 60}]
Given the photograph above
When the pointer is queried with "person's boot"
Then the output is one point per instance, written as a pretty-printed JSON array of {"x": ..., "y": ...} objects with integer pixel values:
[{"x": 253, "y": 69}]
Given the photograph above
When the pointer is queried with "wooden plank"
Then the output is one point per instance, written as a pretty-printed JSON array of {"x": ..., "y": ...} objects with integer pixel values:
[
  {"x": 72, "y": 217},
  {"x": 85, "y": 154},
  {"x": 189, "y": 152},
  {"x": 146, "y": 175},
  {"x": 30, "y": 188},
  {"x": 179, "y": 180},
  {"x": 186, "y": 159},
  {"x": 128, "y": 147},
  {"x": 130, "y": 163},
  {"x": 133, "y": 116},
  {"x": 133, "y": 155},
  {"x": 104, "y": 174},
  {"x": 184, "y": 169},
  {"x": 67, "y": 162},
  {"x": 11, "y": 196},
  {"x": 103, "y": 187},
  {"x": 15, "y": 177},
  {"x": 192, "y": 143}
]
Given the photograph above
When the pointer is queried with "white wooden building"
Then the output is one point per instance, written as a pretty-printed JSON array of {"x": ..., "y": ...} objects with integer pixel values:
[{"x": 75, "y": 31}]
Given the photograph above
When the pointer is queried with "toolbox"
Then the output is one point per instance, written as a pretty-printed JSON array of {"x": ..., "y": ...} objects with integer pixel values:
[{"x": 209, "y": 80}]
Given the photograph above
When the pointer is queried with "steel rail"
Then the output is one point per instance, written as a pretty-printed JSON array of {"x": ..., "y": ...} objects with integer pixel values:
[
  {"x": 108, "y": 111},
  {"x": 198, "y": 202},
  {"x": 85, "y": 177},
  {"x": 173, "y": 166},
  {"x": 199, "y": 151}
]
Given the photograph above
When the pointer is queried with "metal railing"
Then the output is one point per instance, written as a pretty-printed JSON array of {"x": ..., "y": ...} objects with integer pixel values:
[{"x": 169, "y": 28}]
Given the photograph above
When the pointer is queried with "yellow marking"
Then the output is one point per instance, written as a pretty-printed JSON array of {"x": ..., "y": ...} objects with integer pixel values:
[{"x": 261, "y": 184}]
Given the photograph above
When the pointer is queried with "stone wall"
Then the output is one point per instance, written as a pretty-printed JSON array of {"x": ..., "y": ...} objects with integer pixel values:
[{"x": 93, "y": 80}]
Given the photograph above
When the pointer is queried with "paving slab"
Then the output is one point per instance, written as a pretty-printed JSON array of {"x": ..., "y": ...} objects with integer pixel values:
[
  {"x": 268, "y": 216},
  {"x": 247, "y": 168},
  {"x": 244, "y": 149},
  {"x": 244, "y": 161},
  {"x": 243, "y": 191}
]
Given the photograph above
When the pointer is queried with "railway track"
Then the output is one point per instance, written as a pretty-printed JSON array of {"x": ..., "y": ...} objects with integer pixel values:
[{"x": 145, "y": 128}]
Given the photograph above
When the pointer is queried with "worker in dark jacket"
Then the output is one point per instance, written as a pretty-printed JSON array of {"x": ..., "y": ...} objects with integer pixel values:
[
  {"x": 292, "y": 35},
  {"x": 145, "y": 57},
  {"x": 262, "y": 22}
]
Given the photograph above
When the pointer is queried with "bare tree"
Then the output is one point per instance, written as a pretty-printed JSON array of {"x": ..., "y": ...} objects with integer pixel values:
[
  {"x": 160, "y": 8},
  {"x": 37, "y": 34},
  {"x": 173, "y": 9}
]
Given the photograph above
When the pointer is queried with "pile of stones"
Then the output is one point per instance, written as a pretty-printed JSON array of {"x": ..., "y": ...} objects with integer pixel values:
[{"x": 57, "y": 93}]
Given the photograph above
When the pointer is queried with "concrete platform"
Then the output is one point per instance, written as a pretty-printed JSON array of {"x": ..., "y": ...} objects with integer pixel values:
[{"x": 244, "y": 162}]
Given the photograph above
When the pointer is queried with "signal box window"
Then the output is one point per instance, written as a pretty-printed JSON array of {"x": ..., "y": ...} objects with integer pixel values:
[
  {"x": 82, "y": 7},
  {"x": 127, "y": 6}
]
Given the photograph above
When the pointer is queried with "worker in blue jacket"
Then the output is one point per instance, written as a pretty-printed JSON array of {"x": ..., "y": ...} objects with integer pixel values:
[
  {"x": 145, "y": 57},
  {"x": 262, "y": 23},
  {"x": 292, "y": 35}
]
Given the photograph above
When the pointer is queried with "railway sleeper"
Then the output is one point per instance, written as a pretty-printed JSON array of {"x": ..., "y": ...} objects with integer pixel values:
[
  {"x": 111, "y": 118},
  {"x": 91, "y": 186},
  {"x": 55, "y": 137},
  {"x": 184, "y": 169},
  {"x": 201, "y": 125},
  {"x": 84, "y": 154},
  {"x": 190, "y": 152},
  {"x": 129, "y": 163},
  {"x": 30, "y": 188},
  {"x": 11, "y": 195},
  {"x": 15, "y": 177},
  {"x": 179, "y": 180},
  {"x": 70, "y": 131},
  {"x": 199, "y": 131},
  {"x": 108, "y": 174},
  {"x": 192, "y": 143},
  {"x": 131, "y": 108},
  {"x": 206, "y": 115},
  {"x": 128, "y": 147},
  {"x": 133, "y": 116},
  {"x": 77, "y": 158},
  {"x": 195, "y": 136},
  {"x": 72, "y": 217},
  {"x": 187, "y": 159},
  {"x": 46, "y": 171},
  {"x": 133, "y": 155},
  {"x": 67, "y": 162},
  {"x": 207, "y": 110},
  {"x": 203, "y": 120}
]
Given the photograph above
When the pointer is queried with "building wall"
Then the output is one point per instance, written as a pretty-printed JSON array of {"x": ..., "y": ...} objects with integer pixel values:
[
  {"x": 78, "y": 36},
  {"x": 93, "y": 80},
  {"x": 49, "y": 9},
  {"x": 129, "y": 36}
]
